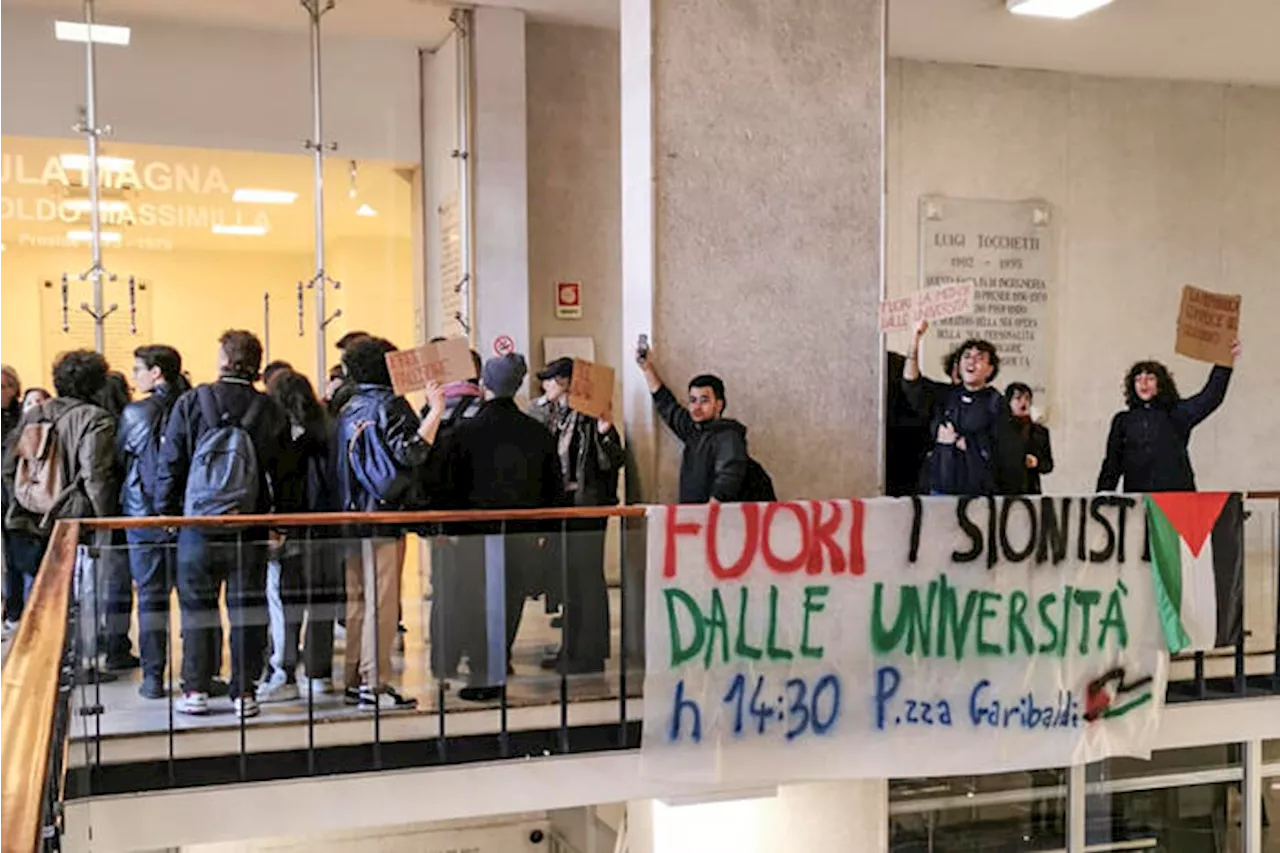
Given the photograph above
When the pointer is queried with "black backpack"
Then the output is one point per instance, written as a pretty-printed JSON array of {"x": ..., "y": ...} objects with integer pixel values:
[{"x": 757, "y": 485}]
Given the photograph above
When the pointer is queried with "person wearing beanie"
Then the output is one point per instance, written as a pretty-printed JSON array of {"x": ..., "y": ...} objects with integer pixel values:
[{"x": 499, "y": 459}]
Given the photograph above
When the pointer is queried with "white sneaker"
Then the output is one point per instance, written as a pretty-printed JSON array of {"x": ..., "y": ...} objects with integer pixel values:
[
  {"x": 385, "y": 699},
  {"x": 194, "y": 703},
  {"x": 278, "y": 689},
  {"x": 247, "y": 706},
  {"x": 10, "y": 628},
  {"x": 320, "y": 686}
]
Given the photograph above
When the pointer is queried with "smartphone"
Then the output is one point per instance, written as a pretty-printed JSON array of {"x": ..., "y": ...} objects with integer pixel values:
[{"x": 642, "y": 349}]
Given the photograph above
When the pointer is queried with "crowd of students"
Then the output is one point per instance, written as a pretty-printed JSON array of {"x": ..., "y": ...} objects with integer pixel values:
[
  {"x": 231, "y": 448},
  {"x": 962, "y": 436}
]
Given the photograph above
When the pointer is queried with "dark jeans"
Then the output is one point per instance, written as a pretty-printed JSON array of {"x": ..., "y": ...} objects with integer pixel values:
[
  {"x": 585, "y": 636},
  {"x": 324, "y": 571},
  {"x": 116, "y": 597},
  {"x": 472, "y": 614},
  {"x": 151, "y": 564},
  {"x": 205, "y": 564},
  {"x": 22, "y": 555}
]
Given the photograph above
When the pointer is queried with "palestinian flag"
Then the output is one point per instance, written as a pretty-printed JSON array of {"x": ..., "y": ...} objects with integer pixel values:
[{"x": 1197, "y": 556}]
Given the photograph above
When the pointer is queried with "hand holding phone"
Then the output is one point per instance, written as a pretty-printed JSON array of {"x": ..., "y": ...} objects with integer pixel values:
[{"x": 642, "y": 350}]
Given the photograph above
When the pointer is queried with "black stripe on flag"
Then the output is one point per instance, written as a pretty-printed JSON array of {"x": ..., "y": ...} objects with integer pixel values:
[{"x": 1228, "y": 571}]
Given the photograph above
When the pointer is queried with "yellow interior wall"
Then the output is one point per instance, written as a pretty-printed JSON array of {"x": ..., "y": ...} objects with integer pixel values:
[{"x": 197, "y": 295}]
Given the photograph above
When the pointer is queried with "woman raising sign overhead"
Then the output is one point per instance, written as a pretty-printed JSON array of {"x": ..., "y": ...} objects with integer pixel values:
[{"x": 1147, "y": 446}]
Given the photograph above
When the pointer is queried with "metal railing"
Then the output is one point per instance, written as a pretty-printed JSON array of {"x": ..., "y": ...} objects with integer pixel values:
[{"x": 54, "y": 683}]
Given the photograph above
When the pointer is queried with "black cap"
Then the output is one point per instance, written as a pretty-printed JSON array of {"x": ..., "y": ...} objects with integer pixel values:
[{"x": 561, "y": 368}]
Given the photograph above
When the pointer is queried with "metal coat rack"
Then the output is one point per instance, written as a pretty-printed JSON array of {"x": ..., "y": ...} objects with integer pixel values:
[{"x": 97, "y": 272}]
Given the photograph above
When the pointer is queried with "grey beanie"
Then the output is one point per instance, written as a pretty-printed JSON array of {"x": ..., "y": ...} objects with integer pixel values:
[{"x": 504, "y": 374}]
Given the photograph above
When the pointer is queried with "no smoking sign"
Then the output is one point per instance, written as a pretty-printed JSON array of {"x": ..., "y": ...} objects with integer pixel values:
[{"x": 569, "y": 300}]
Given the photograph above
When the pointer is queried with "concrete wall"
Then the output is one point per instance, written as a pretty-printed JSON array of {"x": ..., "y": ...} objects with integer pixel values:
[
  {"x": 575, "y": 228},
  {"x": 1156, "y": 184},
  {"x": 766, "y": 214}
]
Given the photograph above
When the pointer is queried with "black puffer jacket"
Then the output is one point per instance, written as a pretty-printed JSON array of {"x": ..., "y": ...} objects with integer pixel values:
[
  {"x": 1147, "y": 445},
  {"x": 980, "y": 419},
  {"x": 714, "y": 465},
  {"x": 138, "y": 439}
]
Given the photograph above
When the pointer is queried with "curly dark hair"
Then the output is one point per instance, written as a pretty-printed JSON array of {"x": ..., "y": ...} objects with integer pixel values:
[
  {"x": 1166, "y": 389},
  {"x": 115, "y": 394},
  {"x": 1017, "y": 388},
  {"x": 243, "y": 351},
  {"x": 981, "y": 346},
  {"x": 295, "y": 395},
  {"x": 365, "y": 360},
  {"x": 80, "y": 374}
]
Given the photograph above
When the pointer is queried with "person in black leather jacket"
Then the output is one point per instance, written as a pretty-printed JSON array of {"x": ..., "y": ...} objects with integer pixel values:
[
  {"x": 1147, "y": 443},
  {"x": 714, "y": 464},
  {"x": 157, "y": 372},
  {"x": 376, "y": 424}
]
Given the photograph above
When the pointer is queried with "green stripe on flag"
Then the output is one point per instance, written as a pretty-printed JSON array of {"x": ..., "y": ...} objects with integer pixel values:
[{"x": 1166, "y": 568}]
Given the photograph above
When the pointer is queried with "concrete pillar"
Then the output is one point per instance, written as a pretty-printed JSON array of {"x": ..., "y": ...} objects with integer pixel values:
[
  {"x": 820, "y": 817},
  {"x": 500, "y": 153},
  {"x": 752, "y": 186}
]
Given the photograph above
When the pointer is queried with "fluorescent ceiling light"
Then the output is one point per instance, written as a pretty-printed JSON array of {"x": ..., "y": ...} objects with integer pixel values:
[
  {"x": 264, "y": 196},
  {"x": 84, "y": 205},
  {"x": 241, "y": 230},
  {"x": 366, "y": 210},
  {"x": 1064, "y": 9},
  {"x": 80, "y": 162},
  {"x": 111, "y": 238},
  {"x": 101, "y": 33}
]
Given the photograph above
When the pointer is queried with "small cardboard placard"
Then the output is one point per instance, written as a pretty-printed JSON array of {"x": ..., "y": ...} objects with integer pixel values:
[
  {"x": 1208, "y": 325},
  {"x": 443, "y": 362},
  {"x": 937, "y": 302},
  {"x": 591, "y": 389}
]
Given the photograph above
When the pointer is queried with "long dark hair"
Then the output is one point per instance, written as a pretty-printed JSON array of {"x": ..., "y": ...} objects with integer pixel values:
[
  {"x": 295, "y": 395},
  {"x": 1167, "y": 393}
]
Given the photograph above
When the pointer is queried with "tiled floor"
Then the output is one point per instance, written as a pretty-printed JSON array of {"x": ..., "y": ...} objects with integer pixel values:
[{"x": 126, "y": 714}]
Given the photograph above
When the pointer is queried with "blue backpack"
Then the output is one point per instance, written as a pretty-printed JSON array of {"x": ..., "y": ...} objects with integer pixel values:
[
  {"x": 224, "y": 478},
  {"x": 375, "y": 471}
]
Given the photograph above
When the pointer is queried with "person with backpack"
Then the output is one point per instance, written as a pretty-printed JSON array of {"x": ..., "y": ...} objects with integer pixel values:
[
  {"x": 221, "y": 456},
  {"x": 379, "y": 449},
  {"x": 157, "y": 372},
  {"x": 62, "y": 464},
  {"x": 715, "y": 465}
]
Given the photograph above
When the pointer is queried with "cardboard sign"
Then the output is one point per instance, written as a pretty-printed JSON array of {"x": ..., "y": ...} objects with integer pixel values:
[
  {"x": 443, "y": 362},
  {"x": 569, "y": 300},
  {"x": 591, "y": 389},
  {"x": 1208, "y": 325},
  {"x": 932, "y": 303}
]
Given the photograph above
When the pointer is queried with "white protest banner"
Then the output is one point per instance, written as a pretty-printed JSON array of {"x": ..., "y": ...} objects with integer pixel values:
[
  {"x": 938, "y": 302},
  {"x": 914, "y": 637}
]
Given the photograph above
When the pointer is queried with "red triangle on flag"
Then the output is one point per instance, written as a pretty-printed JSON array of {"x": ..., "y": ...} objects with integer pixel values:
[{"x": 1192, "y": 514}]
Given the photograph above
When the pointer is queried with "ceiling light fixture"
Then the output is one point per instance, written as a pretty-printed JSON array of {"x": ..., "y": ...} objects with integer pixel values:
[
  {"x": 1062, "y": 9},
  {"x": 366, "y": 210},
  {"x": 84, "y": 205},
  {"x": 264, "y": 196},
  {"x": 240, "y": 230},
  {"x": 80, "y": 162},
  {"x": 107, "y": 238},
  {"x": 100, "y": 33}
]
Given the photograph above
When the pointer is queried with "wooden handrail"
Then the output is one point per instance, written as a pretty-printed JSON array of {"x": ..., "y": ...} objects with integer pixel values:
[
  {"x": 322, "y": 519},
  {"x": 29, "y": 693}
]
